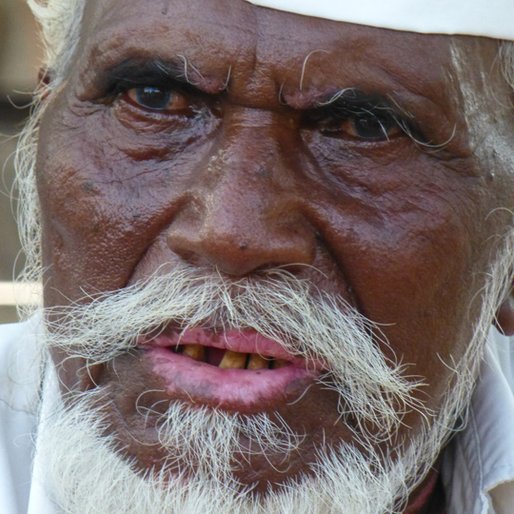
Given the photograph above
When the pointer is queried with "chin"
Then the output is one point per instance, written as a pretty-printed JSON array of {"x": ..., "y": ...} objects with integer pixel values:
[{"x": 89, "y": 471}]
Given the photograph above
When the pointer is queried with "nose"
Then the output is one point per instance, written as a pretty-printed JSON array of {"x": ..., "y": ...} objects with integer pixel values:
[{"x": 244, "y": 213}]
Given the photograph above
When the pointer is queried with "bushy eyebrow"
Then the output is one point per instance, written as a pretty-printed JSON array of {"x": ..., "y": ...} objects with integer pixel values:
[
  {"x": 351, "y": 97},
  {"x": 355, "y": 101},
  {"x": 147, "y": 72}
]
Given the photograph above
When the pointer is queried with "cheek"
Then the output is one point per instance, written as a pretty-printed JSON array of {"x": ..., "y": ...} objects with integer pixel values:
[
  {"x": 414, "y": 257},
  {"x": 102, "y": 207}
]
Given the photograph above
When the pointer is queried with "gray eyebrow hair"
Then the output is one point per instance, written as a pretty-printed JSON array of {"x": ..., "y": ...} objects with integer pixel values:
[
  {"x": 135, "y": 69},
  {"x": 188, "y": 65},
  {"x": 347, "y": 92},
  {"x": 187, "y": 75},
  {"x": 175, "y": 71},
  {"x": 305, "y": 62}
]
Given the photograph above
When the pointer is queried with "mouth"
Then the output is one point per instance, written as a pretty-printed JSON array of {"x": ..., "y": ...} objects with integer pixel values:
[{"x": 237, "y": 370}]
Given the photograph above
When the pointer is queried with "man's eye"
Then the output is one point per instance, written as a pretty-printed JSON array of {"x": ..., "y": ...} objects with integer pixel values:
[
  {"x": 371, "y": 127},
  {"x": 367, "y": 126},
  {"x": 157, "y": 99}
]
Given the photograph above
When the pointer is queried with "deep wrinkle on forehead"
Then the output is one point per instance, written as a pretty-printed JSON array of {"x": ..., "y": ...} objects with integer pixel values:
[{"x": 268, "y": 61}]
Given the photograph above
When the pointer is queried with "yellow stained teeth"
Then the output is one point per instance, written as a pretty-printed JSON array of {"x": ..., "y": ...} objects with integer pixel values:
[
  {"x": 233, "y": 360},
  {"x": 195, "y": 351},
  {"x": 279, "y": 363},
  {"x": 257, "y": 362}
]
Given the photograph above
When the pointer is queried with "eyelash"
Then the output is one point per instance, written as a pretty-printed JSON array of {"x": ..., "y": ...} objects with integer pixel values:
[{"x": 359, "y": 120}]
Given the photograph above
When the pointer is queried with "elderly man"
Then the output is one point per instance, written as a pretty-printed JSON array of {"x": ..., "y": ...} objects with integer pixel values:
[{"x": 274, "y": 238}]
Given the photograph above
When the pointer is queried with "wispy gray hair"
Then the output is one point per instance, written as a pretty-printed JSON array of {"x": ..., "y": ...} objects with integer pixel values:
[{"x": 60, "y": 22}]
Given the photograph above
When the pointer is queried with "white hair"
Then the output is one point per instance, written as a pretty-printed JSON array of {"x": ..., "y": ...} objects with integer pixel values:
[{"x": 60, "y": 29}]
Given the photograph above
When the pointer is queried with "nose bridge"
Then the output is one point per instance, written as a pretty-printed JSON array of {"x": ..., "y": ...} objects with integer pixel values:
[
  {"x": 243, "y": 190},
  {"x": 255, "y": 136},
  {"x": 248, "y": 167},
  {"x": 247, "y": 213}
]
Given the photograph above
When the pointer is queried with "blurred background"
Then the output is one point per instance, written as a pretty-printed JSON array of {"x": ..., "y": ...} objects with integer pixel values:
[{"x": 20, "y": 55}]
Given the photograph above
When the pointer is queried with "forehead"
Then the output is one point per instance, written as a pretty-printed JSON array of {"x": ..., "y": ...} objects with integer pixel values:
[
  {"x": 263, "y": 48},
  {"x": 236, "y": 21}
]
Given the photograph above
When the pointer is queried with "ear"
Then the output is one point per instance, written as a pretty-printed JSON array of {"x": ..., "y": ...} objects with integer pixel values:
[{"x": 504, "y": 321}]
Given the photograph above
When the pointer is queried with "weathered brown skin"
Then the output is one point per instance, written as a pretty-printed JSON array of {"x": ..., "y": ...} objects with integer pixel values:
[{"x": 400, "y": 232}]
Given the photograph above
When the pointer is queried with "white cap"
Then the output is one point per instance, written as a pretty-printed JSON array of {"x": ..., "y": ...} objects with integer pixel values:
[{"x": 490, "y": 18}]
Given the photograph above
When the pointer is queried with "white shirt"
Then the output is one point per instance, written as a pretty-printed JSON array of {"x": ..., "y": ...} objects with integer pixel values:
[{"x": 478, "y": 465}]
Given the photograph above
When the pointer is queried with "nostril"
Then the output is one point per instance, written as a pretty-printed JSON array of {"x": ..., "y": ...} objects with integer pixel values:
[{"x": 185, "y": 253}]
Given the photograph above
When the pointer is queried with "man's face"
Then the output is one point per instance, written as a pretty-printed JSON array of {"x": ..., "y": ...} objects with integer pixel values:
[{"x": 233, "y": 140}]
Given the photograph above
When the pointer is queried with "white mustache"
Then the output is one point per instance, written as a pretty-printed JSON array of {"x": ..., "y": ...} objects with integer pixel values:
[{"x": 276, "y": 304}]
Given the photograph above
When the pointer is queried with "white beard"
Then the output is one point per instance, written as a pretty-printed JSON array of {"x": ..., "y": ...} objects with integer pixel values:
[{"x": 87, "y": 476}]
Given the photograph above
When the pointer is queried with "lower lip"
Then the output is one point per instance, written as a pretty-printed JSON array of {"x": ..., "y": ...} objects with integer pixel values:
[{"x": 232, "y": 389}]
